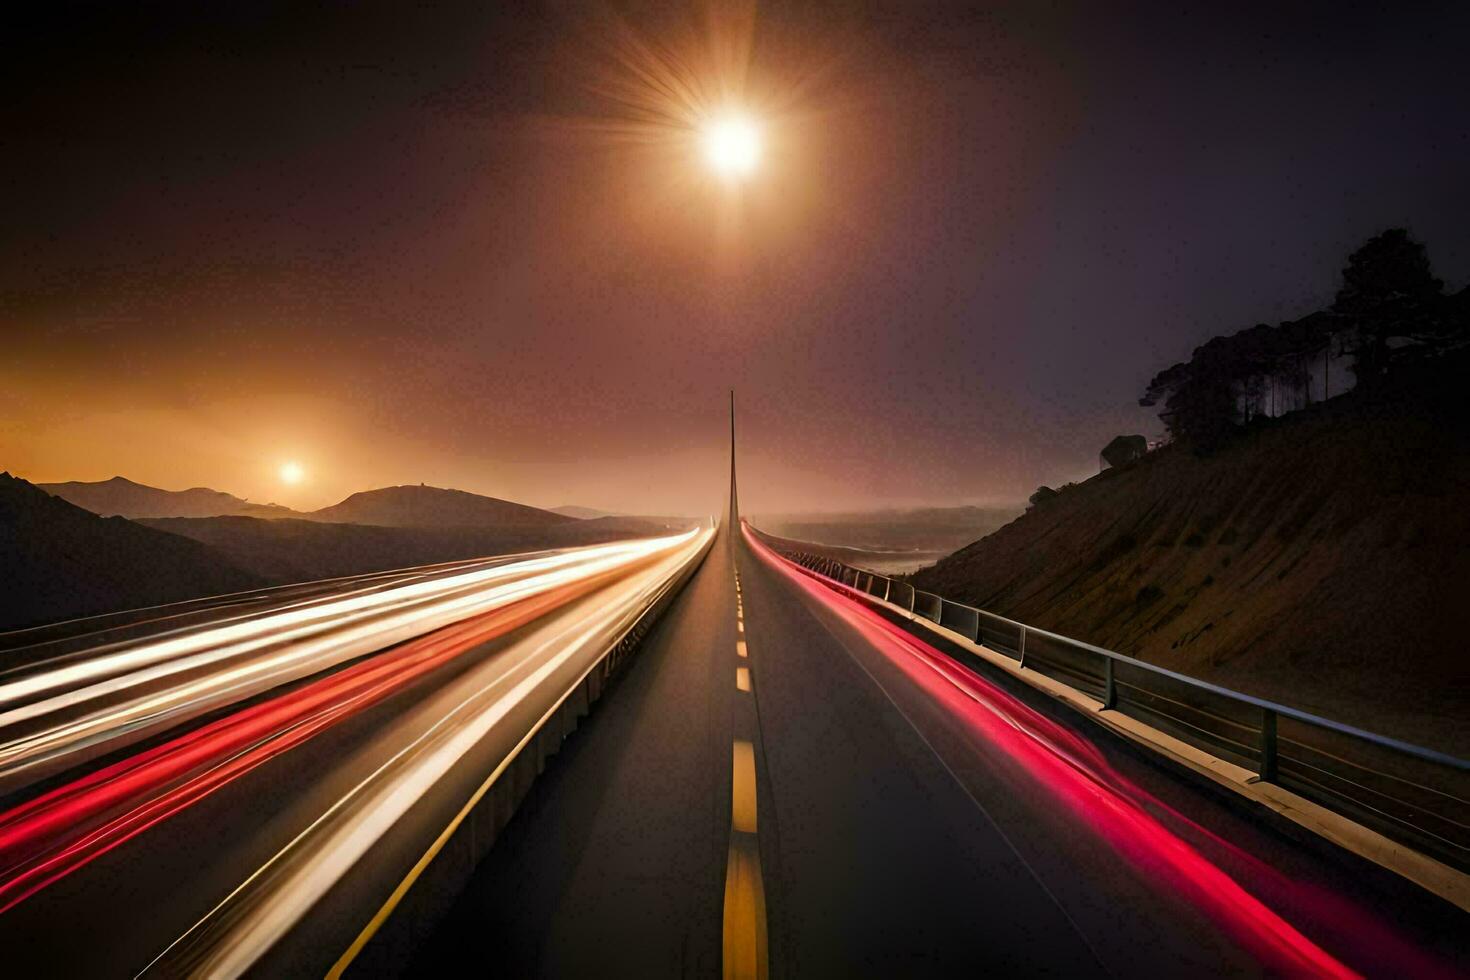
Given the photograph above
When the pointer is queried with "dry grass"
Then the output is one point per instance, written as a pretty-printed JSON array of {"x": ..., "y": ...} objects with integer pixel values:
[{"x": 1321, "y": 561}]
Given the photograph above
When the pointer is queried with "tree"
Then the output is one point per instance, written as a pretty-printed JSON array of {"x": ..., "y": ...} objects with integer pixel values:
[
  {"x": 1202, "y": 398},
  {"x": 1390, "y": 307},
  {"x": 1388, "y": 294},
  {"x": 1124, "y": 449},
  {"x": 1303, "y": 341}
]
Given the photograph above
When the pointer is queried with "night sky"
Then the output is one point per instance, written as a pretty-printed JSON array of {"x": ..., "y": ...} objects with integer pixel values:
[{"x": 474, "y": 245}]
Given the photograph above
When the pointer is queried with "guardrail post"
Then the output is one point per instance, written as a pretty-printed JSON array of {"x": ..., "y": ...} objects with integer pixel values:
[
  {"x": 913, "y": 598},
  {"x": 1023, "y": 647},
  {"x": 887, "y": 588},
  {"x": 1110, "y": 687},
  {"x": 1268, "y": 745}
]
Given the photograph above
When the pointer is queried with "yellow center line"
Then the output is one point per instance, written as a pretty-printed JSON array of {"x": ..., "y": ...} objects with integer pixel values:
[
  {"x": 745, "y": 952},
  {"x": 745, "y": 946},
  {"x": 745, "y": 912},
  {"x": 742, "y": 817}
]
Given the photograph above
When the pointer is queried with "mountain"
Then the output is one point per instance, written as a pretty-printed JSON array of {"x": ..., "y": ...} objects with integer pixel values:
[
  {"x": 59, "y": 561},
  {"x": 122, "y": 497},
  {"x": 407, "y": 506},
  {"x": 1320, "y": 559},
  {"x": 627, "y": 526},
  {"x": 422, "y": 506},
  {"x": 581, "y": 513},
  {"x": 290, "y": 550},
  {"x": 634, "y": 523}
]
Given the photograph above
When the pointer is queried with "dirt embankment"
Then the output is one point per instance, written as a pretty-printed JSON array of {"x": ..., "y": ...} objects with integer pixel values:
[{"x": 1323, "y": 560}]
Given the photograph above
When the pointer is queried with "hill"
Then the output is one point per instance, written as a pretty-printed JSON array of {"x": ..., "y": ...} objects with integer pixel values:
[
  {"x": 421, "y": 506},
  {"x": 406, "y": 506},
  {"x": 282, "y": 551},
  {"x": 60, "y": 561},
  {"x": 625, "y": 526},
  {"x": 635, "y": 524},
  {"x": 1319, "y": 559},
  {"x": 581, "y": 513},
  {"x": 124, "y": 498}
]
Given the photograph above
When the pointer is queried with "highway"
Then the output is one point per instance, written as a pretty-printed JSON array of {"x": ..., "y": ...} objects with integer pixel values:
[
  {"x": 240, "y": 788},
  {"x": 779, "y": 782},
  {"x": 910, "y": 818}
]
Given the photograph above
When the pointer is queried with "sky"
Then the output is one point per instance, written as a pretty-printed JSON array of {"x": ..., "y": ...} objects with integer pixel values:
[{"x": 476, "y": 245}]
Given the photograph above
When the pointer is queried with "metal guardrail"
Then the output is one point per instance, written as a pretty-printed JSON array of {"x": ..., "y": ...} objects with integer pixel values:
[{"x": 1411, "y": 794}]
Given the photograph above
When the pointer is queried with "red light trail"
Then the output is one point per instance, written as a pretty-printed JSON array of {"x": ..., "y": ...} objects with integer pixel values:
[
  {"x": 1075, "y": 773},
  {"x": 47, "y": 838}
]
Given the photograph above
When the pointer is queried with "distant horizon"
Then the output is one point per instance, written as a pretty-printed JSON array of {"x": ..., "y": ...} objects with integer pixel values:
[{"x": 877, "y": 508}]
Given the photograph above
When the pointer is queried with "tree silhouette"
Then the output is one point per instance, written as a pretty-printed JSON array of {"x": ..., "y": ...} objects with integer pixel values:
[
  {"x": 1390, "y": 309},
  {"x": 1388, "y": 295}
]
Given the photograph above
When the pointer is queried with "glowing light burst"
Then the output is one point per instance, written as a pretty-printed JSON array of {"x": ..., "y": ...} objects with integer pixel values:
[
  {"x": 684, "y": 99},
  {"x": 291, "y": 473},
  {"x": 732, "y": 145}
]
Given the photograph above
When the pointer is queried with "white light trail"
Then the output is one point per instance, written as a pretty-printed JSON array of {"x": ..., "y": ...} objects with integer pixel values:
[
  {"x": 233, "y": 936},
  {"x": 153, "y": 685}
]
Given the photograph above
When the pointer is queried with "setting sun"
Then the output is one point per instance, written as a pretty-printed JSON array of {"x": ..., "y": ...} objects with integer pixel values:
[
  {"x": 292, "y": 473},
  {"x": 732, "y": 145}
]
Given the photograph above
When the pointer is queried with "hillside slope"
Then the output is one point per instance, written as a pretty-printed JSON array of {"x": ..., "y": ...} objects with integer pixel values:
[
  {"x": 282, "y": 551},
  {"x": 58, "y": 561},
  {"x": 1321, "y": 560},
  {"x": 421, "y": 506},
  {"x": 122, "y": 497},
  {"x": 580, "y": 513}
]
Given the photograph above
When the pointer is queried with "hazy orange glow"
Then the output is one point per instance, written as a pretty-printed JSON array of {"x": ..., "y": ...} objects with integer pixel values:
[
  {"x": 292, "y": 473},
  {"x": 505, "y": 298}
]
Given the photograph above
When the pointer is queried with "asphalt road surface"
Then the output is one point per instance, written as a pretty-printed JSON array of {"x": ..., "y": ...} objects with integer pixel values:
[
  {"x": 780, "y": 782},
  {"x": 242, "y": 791},
  {"x": 905, "y": 821}
]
